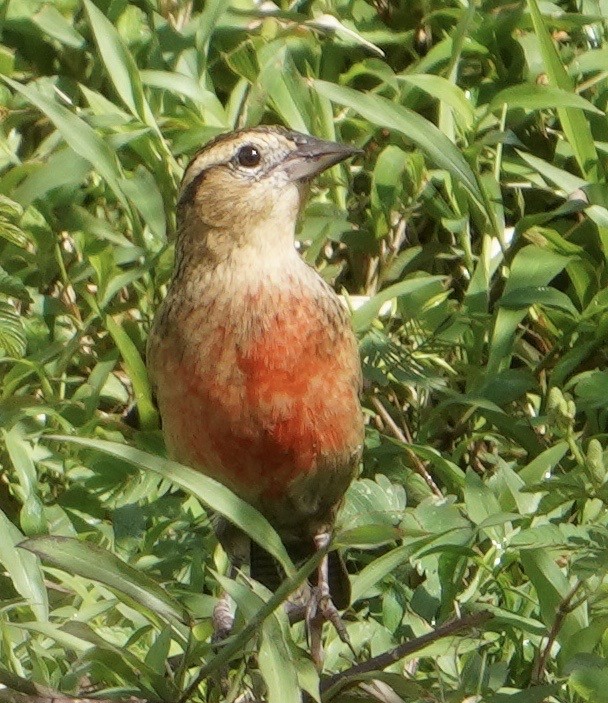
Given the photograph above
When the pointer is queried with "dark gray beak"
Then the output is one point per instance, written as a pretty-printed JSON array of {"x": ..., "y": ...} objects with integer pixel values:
[{"x": 312, "y": 156}]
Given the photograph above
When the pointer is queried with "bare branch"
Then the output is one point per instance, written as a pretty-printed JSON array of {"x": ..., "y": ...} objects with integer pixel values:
[
  {"x": 398, "y": 434},
  {"x": 381, "y": 661},
  {"x": 565, "y": 607},
  {"x": 7, "y": 695},
  {"x": 33, "y": 693}
]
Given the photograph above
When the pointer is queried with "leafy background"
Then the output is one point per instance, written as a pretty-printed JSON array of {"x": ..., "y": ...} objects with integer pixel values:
[{"x": 477, "y": 224}]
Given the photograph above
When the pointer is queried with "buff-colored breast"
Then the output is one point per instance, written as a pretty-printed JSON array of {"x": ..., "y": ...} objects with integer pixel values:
[{"x": 263, "y": 396}]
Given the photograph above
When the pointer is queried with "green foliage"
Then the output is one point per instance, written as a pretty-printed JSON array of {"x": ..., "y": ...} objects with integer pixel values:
[{"x": 477, "y": 225}]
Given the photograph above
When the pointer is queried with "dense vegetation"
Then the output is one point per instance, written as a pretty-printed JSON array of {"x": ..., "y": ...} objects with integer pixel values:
[{"x": 476, "y": 221}]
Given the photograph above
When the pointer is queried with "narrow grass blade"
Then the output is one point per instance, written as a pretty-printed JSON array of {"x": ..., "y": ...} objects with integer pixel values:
[
  {"x": 23, "y": 569},
  {"x": 366, "y": 314},
  {"x": 446, "y": 92},
  {"x": 432, "y": 141},
  {"x": 78, "y": 135},
  {"x": 120, "y": 65},
  {"x": 93, "y": 562},
  {"x": 137, "y": 373},
  {"x": 534, "y": 97},
  {"x": 574, "y": 123},
  {"x": 210, "y": 492}
]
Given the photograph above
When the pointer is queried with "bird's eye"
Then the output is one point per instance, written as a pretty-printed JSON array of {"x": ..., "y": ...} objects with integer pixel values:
[{"x": 248, "y": 156}]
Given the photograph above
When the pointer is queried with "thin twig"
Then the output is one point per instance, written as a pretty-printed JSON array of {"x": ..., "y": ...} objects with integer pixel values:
[
  {"x": 381, "y": 661},
  {"x": 565, "y": 607},
  {"x": 17, "y": 689},
  {"x": 34, "y": 693},
  {"x": 419, "y": 466},
  {"x": 47, "y": 695},
  {"x": 235, "y": 643}
]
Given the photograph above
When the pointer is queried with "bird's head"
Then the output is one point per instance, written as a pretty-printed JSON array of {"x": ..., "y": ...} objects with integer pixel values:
[{"x": 252, "y": 181}]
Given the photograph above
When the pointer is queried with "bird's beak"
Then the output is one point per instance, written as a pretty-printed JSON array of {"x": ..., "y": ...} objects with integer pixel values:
[{"x": 312, "y": 156}]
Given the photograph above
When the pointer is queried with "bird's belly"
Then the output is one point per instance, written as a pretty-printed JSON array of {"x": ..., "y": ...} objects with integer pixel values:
[{"x": 270, "y": 417}]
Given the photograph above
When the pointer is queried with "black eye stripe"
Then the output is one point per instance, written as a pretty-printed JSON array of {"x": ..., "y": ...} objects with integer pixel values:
[{"x": 189, "y": 192}]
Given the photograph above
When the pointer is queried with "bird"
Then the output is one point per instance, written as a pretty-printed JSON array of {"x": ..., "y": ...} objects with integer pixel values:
[{"x": 251, "y": 354}]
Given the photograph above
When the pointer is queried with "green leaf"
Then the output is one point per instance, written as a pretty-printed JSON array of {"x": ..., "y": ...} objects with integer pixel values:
[
  {"x": 534, "y": 694},
  {"x": 78, "y": 135},
  {"x": 137, "y": 373},
  {"x": 589, "y": 61},
  {"x": 330, "y": 24},
  {"x": 207, "y": 21},
  {"x": 424, "y": 134},
  {"x": 12, "y": 334},
  {"x": 591, "y": 390},
  {"x": 211, "y": 108},
  {"x": 367, "y": 313},
  {"x": 543, "y": 464},
  {"x": 574, "y": 123},
  {"x": 274, "y": 657},
  {"x": 63, "y": 168},
  {"x": 7, "y": 61},
  {"x": 20, "y": 452},
  {"x": 446, "y": 92},
  {"x": 120, "y": 65},
  {"x": 532, "y": 267},
  {"x": 447, "y": 470},
  {"x": 382, "y": 566},
  {"x": 552, "y": 587},
  {"x": 142, "y": 189},
  {"x": 590, "y": 683},
  {"x": 568, "y": 182},
  {"x": 13, "y": 286},
  {"x": 210, "y": 492},
  {"x": 536, "y": 97},
  {"x": 51, "y": 21},
  {"x": 23, "y": 569},
  {"x": 276, "y": 666},
  {"x": 92, "y": 562},
  {"x": 538, "y": 295},
  {"x": 10, "y": 214},
  {"x": 158, "y": 653},
  {"x": 538, "y": 537},
  {"x": 150, "y": 681},
  {"x": 285, "y": 87},
  {"x": 480, "y": 502}
]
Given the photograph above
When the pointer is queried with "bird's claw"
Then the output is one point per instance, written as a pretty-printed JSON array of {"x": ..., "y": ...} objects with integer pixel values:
[
  {"x": 222, "y": 619},
  {"x": 321, "y": 609}
]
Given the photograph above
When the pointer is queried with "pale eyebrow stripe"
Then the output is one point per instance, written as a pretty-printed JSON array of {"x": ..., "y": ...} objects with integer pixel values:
[{"x": 197, "y": 166}]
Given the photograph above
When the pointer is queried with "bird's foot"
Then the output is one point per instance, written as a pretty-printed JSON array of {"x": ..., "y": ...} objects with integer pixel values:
[
  {"x": 321, "y": 609},
  {"x": 222, "y": 619}
]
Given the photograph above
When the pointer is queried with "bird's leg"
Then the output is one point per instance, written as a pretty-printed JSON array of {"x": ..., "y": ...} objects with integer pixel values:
[{"x": 321, "y": 607}]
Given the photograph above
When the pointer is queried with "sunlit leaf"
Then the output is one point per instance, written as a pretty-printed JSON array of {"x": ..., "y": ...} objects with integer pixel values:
[
  {"x": 207, "y": 490},
  {"x": 92, "y": 562},
  {"x": 77, "y": 133},
  {"x": 384, "y": 113}
]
